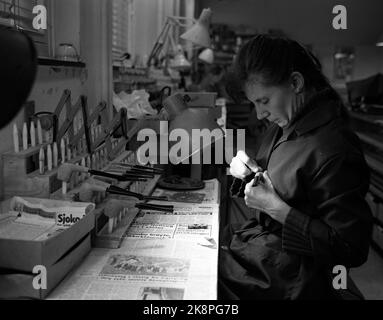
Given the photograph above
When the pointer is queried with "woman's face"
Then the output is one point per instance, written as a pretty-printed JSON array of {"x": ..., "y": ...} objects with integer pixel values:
[{"x": 274, "y": 103}]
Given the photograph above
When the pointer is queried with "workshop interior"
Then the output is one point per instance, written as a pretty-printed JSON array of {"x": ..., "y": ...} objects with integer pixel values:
[{"x": 132, "y": 140}]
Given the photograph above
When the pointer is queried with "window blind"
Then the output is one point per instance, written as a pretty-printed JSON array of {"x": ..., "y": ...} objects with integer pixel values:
[
  {"x": 20, "y": 13},
  {"x": 122, "y": 28}
]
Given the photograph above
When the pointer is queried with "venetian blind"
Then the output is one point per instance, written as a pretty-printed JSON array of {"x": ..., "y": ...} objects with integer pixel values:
[
  {"x": 20, "y": 13},
  {"x": 122, "y": 28}
]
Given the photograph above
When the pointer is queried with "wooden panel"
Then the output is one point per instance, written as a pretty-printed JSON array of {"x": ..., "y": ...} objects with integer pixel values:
[
  {"x": 21, "y": 176},
  {"x": 21, "y": 163},
  {"x": 31, "y": 185}
]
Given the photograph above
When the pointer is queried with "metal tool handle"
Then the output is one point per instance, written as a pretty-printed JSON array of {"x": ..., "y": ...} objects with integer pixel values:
[
  {"x": 120, "y": 191},
  {"x": 155, "y": 207},
  {"x": 115, "y": 176}
]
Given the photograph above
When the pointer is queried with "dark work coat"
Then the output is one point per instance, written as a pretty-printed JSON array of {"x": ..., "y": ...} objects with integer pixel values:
[{"x": 318, "y": 168}]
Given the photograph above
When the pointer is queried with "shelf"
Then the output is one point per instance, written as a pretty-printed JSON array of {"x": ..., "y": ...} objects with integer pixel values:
[
  {"x": 60, "y": 63},
  {"x": 131, "y": 71}
]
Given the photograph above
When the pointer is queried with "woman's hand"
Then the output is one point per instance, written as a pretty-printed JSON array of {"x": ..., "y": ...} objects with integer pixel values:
[
  {"x": 264, "y": 197},
  {"x": 241, "y": 165}
]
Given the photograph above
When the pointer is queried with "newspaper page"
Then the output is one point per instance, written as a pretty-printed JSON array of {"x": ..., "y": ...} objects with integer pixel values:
[
  {"x": 144, "y": 269},
  {"x": 208, "y": 195},
  {"x": 188, "y": 222},
  {"x": 163, "y": 256}
]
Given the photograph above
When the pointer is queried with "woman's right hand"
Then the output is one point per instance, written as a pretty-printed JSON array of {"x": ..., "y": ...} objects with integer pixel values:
[{"x": 241, "y": 165}]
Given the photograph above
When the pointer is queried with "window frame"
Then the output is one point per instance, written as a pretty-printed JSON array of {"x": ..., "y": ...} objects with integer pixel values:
[{"x": 41, "y": 38}]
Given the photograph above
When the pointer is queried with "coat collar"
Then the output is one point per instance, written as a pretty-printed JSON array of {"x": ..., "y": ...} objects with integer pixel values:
[{"x": 321, "y": 108}]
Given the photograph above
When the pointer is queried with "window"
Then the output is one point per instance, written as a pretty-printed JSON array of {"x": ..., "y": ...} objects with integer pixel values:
[
  {"x": 122, "y": 28},
  {"x": 20, "y": 13}
]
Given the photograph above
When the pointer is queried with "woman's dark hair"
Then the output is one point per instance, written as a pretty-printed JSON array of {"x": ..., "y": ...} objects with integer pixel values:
[{"x": 275, "y": 58}]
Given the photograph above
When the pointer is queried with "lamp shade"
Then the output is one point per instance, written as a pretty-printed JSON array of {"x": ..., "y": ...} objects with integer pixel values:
[
  {"x": 379, "y": 43},
  {"x": 180, "y": 63},
  {"x": 202, "y": 131},
  {"x": 195, "y": 123},
  {"x": 18, "y": 68},
  {"x": 199, "y": 32},
  {"x": 207, "y": 56}
]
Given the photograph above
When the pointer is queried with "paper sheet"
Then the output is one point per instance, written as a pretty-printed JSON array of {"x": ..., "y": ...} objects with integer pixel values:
[
  {"x": 38, "y": 219},
  {"x": 188, "y": 221},
  {"x": 25, "y": 227}
]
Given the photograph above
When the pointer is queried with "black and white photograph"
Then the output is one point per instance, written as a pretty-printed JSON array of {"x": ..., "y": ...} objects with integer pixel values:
[{"x": 211, "y": 151}]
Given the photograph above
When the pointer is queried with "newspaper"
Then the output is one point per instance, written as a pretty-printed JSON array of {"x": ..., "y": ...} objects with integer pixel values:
[
  {"x": 164, "y": 256},
  {"x": 144, "y": 269},
  {"x": 189, "y": 222},
  {"x": 208, "y": 195}
]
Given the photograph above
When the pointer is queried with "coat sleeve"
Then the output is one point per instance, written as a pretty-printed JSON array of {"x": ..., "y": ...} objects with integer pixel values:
[{"x": 339, "y": 231}]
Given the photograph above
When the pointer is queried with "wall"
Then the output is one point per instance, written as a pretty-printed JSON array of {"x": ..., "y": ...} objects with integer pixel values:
[
  {"x": 51, "y": 82},
  {"x": 96, "y": 44},
  {"x": 67, "y": 14},
  {"x": 46, "y": 93},
  {"x": 368, "y": 60},
  {"x": 150, "y": 18},
  {"x": 302, "y": 19},
  {"x": 310, "y": 22},
  {"x": 87, "y": 25}
]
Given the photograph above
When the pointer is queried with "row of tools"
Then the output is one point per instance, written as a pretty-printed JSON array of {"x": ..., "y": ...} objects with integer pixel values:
[{"x": 122, "y": 172}]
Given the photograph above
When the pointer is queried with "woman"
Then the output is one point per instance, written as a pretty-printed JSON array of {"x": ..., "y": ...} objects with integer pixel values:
[{"x": 307, "y": 212}]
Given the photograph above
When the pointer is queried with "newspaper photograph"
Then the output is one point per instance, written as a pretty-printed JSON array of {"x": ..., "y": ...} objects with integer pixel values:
[
  {"x": 134, "y": 267},
  {"x": 156, "y": 293},
  {"x": 192, "y": 231},
  {"x": 156, "y": 269}
]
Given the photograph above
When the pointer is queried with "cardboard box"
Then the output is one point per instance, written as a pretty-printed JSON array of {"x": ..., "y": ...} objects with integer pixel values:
[
  {"x": 24, "y": 255},
  {"x": 21, "y": 176},
  {"x": 15, "y": 285}
]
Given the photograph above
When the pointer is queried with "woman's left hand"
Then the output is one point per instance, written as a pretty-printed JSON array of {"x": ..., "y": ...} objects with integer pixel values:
[{"x": 264, "y": 197}]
